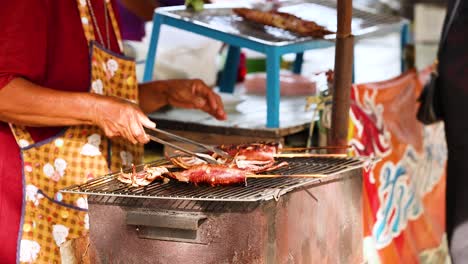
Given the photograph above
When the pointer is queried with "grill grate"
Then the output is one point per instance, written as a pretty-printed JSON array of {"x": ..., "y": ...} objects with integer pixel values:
[
  {"x": 364, "y": 23},
  {"x": 111, "y": 190}
]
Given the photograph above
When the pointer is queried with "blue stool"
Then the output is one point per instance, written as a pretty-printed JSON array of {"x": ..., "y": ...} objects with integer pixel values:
[{"x": 272, "y": 50}]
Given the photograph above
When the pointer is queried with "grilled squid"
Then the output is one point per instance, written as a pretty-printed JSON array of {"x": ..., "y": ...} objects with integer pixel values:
[
  {"x": 257, "y": 166},
  {"x": 253, "y": 151},
  {"x": 284, "y": 21},
  {"x": 187, "y": 161},
  {"x": 144, "y": 177},
  {"x": 214, "y": 175},
  {"x": 254, "y": 157}
]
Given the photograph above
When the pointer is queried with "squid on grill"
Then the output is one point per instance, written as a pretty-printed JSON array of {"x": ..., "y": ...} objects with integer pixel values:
[
  {"x": 144, "y": 177},
  {"x": 254, "y": 151},
  {"x": 246, "y": 159},
  {"x": 213, "y": 175},
  {"x": 259, "y": 166},
  {"x": 187, "y": 161},
  {"x": 255, "y": 157}
]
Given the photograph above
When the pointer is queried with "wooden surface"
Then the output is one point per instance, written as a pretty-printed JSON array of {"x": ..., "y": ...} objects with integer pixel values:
[
  {"x": 342, "y": 91},
  {"x": 344, "y": 16},
  {"x": 344, "y": 53}
]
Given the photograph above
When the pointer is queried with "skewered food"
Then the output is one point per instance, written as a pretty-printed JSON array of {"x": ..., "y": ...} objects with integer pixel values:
[
  {"x": 211, "y": 174},
  {"x": 255, "y": 158},
  {"x": 284, "y": 21},
  {"x": 187, "y": 161},
  {"x": 257, "y": 166},
  {"x": 144, "y": 177},
  {"x": 254, "y": 151},
  {"x": 246, "y": 159}
]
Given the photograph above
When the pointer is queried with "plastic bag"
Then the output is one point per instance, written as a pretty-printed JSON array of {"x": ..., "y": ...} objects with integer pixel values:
[{"x": 182, "y": 55}]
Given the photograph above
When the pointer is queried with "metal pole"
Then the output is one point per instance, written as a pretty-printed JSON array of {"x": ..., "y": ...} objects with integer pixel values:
[{"x": 344, "y": 53}]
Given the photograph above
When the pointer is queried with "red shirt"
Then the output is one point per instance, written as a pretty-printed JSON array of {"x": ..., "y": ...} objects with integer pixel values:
[{"x": 42, "y": 41}]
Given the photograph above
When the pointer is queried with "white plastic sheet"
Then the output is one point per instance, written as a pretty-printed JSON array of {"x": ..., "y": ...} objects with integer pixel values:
[{"x": 182, "y": 54}]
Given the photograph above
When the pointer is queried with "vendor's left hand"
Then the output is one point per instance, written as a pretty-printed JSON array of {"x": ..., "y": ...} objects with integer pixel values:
[
  {"x": 195, "y": 94},
  {"x": 181, "y": 93}
]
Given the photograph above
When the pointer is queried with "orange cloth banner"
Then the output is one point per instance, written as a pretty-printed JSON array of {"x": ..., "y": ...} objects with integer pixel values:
[{"x": 404, "y": 192}]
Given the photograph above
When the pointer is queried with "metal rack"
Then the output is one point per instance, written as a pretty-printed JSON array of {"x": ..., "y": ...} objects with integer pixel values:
[
  {"x": 222, "y": 19},
  {"x": 256, "y": 190}
]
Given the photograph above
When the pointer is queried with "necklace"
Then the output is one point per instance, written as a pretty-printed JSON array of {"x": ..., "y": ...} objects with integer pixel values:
[{"x": 96, "y": 25}]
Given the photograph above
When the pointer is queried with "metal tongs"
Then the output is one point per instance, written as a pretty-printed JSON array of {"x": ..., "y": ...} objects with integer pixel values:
[{"x": 150, "y": 132}]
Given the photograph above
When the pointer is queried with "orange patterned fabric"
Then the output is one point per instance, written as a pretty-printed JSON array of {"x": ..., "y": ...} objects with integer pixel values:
[
  {"x": 404, "y": 192},
  {"x": 86, "y": 20},
  {"x": 114, "y": 76},
  {"x": 79, "y": 153},
  {"x": 49, "y": 217},
  {"x": 115, "y": 24}
]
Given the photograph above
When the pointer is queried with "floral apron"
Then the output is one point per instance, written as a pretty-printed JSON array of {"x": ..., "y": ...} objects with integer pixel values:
[{"x": 77, "y": 154}]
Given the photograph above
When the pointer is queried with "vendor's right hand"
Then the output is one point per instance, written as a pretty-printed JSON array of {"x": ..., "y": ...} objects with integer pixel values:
[{"x": 121, "y": 118}]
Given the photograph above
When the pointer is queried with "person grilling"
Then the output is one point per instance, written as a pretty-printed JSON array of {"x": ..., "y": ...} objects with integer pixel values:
[{"x": 70, "y": 110}]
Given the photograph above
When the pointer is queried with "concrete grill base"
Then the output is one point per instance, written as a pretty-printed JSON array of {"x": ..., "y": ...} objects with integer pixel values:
[{"x": 322, "y": 224}]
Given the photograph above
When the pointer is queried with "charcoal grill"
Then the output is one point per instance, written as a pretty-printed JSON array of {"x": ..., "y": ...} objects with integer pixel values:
[
  {"x": 256, "y": 189},
  {"x": 318, "y": 221}
]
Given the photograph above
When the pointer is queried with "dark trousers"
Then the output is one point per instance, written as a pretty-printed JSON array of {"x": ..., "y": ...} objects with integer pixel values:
[
  {"x": 455, "y": 101},
  {"x": 457, "y": 205},
  {"x": 453, "y": 70}
]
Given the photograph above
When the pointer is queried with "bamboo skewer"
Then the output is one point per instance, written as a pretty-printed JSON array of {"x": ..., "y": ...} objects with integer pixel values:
[
  {"x": 260, "y": 176},
  {"x": 316, "y": 148},
  {"x": 308, "y": 155}
]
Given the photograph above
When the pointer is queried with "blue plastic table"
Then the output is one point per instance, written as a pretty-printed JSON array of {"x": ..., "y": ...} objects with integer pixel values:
[{"x": 219, "y": 23}]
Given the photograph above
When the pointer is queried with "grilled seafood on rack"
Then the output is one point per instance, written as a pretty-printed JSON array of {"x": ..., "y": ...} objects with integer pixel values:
[
  {"x": 284, "y": 21},
  {"x": 255, "y": 158},
  {"x": 213, "y": 175},
  {"x": 257, "y": 166},
  {"x": 186, "y": 162},
  {"x": 144, "y": 177},
  {"x": 253, "y": 151},
  {"x": 246, "y": 160}
]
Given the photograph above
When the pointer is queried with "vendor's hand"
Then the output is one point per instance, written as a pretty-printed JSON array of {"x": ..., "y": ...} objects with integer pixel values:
[
  {"x": 195, "y": 94},
  {"x": 120, "y": 118}
]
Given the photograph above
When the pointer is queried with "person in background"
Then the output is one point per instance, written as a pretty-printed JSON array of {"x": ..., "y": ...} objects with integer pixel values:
[
  {"x": 70, "y": 110},
  {"x": 134, "y": 14},
  {"x": 453, "y": 74}
]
